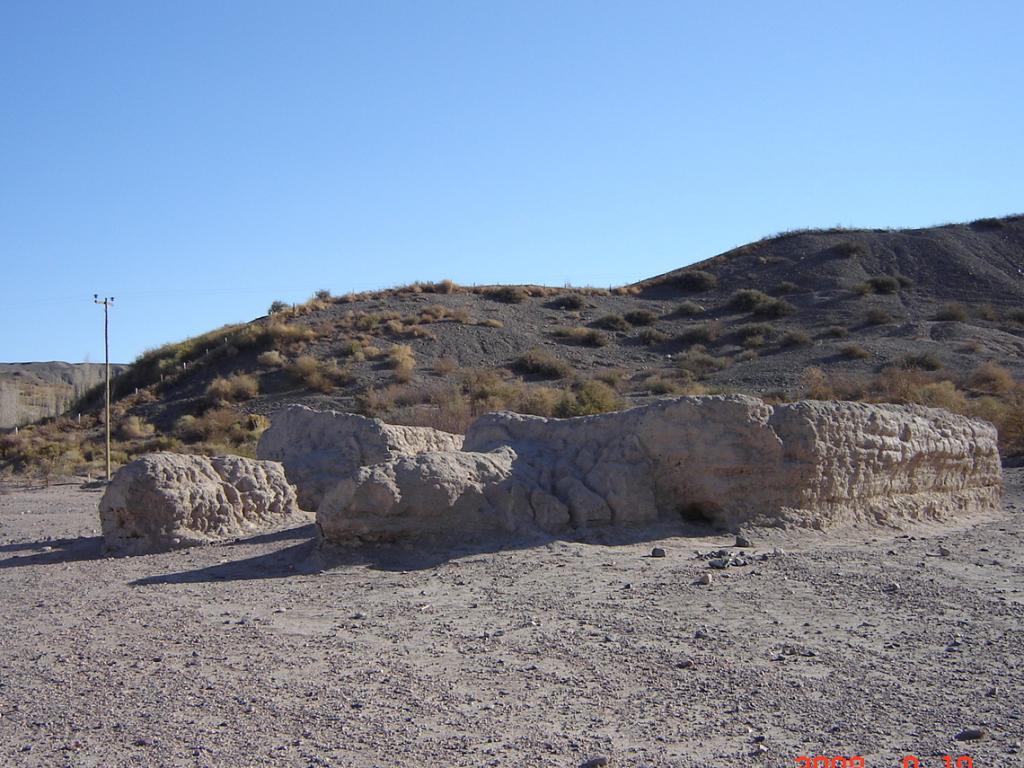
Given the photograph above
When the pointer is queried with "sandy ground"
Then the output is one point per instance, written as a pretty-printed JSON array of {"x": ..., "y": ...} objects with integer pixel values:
[{"x": 877, "y": 643}]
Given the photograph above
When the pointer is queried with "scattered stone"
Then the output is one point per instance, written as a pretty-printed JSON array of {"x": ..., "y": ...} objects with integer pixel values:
[
  {"x": 595, "y": 762},
  {"x": 706, "y": 579},
  {"x": 743, "y": 542},
  {"x": 658, "y": 552},
  {"x": 971, "y": 734},
  {"x": 685, "y": 664},
  {"x": 892, "y": 586}
]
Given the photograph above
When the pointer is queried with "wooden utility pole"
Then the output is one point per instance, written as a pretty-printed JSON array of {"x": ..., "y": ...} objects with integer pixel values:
[{"x": 106, "y": 301}]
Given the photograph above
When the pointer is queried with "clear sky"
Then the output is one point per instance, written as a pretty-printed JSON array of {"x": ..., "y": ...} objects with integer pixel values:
[{"x": 198, "y": 159}]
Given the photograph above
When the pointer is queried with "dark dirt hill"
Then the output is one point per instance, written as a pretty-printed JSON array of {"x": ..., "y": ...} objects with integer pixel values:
[{"x": 928, "y": 315}]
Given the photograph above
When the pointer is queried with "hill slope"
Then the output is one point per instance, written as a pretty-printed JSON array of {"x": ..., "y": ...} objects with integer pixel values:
[
  {"x": 930, "y": 315},
  {"x": 33, "y": 391}
]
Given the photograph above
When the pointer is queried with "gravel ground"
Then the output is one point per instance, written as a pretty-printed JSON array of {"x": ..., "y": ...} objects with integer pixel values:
[{"x": 875, "y": 642}]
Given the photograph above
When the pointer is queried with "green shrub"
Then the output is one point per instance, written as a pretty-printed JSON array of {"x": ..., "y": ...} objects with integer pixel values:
[
  {"x": 786, "y": 287},
  {"x": 276, "y": 307}
]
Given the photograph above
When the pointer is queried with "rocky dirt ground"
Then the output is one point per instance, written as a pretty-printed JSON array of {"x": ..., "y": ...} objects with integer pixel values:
[{"x": 266, "y": 652}]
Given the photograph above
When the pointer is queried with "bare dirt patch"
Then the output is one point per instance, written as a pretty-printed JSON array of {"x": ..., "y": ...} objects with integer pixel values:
[{"x": 877, "y": 643}]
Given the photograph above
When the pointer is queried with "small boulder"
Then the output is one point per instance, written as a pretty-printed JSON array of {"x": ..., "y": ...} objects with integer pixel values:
[{"x": 164, "y": 501}]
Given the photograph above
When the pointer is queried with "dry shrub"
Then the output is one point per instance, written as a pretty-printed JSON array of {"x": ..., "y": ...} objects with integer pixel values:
[
  {"x": 652, "y": 336},
  {"x": 877, "y": 316},
  {"x": 992, "y": 378},
  {"x": 540, "y": 362},
  {"x": 759, "y": 331},
  {"x": 1007, "y": 414},
  {"x": 271, "y": 359},
  {"x": 612, "y": 323},
  {"x": 952, "y": 310},
  {"x": 689, "y": 309},
  {"x": 445, "y": 366},
  {"x": 836, "y": 331},
  {"x": 589, "y": 398},
  {"x": 510, "y": 294},
  {"x": 884, "y": 284},
  {"x": 747, "y": 299},
  {"x": 986, "y": 312},
  {"x": 698, "y": 363},
  {"x": 136, "y": 428},
  {"x": 816, "y": 384},
  {"x": 402, "y": 361},
  {"x": 569, "y": 301},
  {"x": 657, "y": 384},
  {"x": 491, "y": 322},
  {"x": 704, "y": 333},
  {"x": 588, "y": 337},
  {"x": 694, "y": 280},
  {"x": 318, "y": 376},
  {"x": 626, "y": 290},
  {"x": 242, "y": 386},
  {"x": 640, "y": 317},
  {"x": 926, "y": 361},
  {"x": 287, "y": 336},
  {"x": 854, "y": 352}
]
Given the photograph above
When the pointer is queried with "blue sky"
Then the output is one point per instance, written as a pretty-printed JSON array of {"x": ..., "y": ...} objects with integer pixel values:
[{"x": 200, "y": 159}]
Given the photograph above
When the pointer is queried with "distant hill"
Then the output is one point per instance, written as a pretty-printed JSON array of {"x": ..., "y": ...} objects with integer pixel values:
[
  {"x": 33, "y": 391},
  {"x": 932, "y": 315}
]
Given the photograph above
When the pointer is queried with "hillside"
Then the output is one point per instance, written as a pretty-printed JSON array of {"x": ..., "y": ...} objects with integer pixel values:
[
  {"x": 929, "y": 315},
  {"x": 33, "y": 391}
]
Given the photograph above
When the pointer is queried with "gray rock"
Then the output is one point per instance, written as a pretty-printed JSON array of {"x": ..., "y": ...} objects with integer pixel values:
[
  {"x": 734, "y": 458},
  {"x": 164, "y": 501},
  {"x": 971, "y": 734},
  {"x": 658, "y": 552},
  {"x": 320, "y": 448}
]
